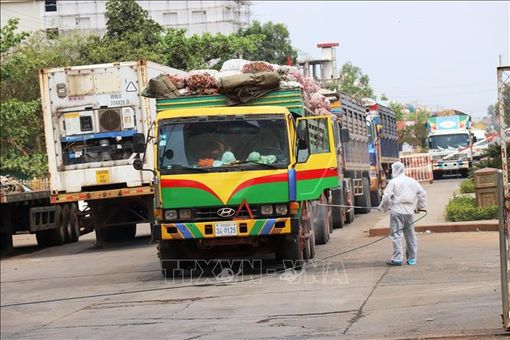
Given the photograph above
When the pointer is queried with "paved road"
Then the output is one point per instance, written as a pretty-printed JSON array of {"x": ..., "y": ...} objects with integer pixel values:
[{"x": 78, "y": 291}]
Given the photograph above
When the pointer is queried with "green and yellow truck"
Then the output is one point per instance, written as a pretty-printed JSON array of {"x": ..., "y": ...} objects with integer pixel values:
[{"x": 259, "y": 175}]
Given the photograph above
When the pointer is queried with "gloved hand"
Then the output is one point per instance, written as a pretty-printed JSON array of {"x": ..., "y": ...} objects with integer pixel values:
[{"x": 417, "y": 211}]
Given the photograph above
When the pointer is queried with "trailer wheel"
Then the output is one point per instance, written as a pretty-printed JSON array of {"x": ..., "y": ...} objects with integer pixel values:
[
  {"x": 168, "y": 252},
  {"x": 337, "y": 212},
  {"x": 59, "y": 234},
  {"x": 73, "y": 224},
  {"x": 321, "y": 220},
  {"x": 364, "y": 200}
]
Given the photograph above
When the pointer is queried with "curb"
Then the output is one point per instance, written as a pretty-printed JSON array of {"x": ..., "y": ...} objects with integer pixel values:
[{"x": 446, "y": 227}]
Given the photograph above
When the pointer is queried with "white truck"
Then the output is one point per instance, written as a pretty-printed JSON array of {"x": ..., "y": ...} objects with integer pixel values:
[
  {"x": 450, "y": 144},
  {"x": 91, "y": 115}
]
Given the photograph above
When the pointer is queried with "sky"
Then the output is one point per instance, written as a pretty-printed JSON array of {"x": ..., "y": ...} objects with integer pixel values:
[{"x": 435, "y": 54}]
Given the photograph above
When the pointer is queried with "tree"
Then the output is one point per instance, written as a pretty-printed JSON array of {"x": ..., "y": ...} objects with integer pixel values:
[
  {"x": 196, "y": 51},
  {"x": 353, "y": 82},
  {"x": 22, "y": 138},
  {"x": 125, "y": 18},
  {"x": 8, "y": 36},
  {"x": 274, "y": 46}
]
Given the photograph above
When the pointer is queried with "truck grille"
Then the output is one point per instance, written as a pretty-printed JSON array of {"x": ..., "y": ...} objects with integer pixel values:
[{"x": 210, "y": 213}]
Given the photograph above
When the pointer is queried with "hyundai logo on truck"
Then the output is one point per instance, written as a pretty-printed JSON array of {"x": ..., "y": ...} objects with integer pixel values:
[{"x": 226, "y": 212}]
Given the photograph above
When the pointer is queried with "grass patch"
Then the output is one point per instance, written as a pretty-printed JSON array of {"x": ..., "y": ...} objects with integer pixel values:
[
  {"x": 463, "y": 208},
  {"x": 467, "y": 186}
]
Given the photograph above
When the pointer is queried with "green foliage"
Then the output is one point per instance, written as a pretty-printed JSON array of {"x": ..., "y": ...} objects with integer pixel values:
[
  {"x": 491, "y": 158},
  {"x": 467, "y": 186},
  {"x": 463, "y": 208},
  {"x": 197, "y": 51},
  {"x": 274, "y": 45},
  {"x": 22, "y": 138},
  {"x": 8, "y": 36},
  {"x": 353, "y": 82},
  {"x": 125, "y": 18}
]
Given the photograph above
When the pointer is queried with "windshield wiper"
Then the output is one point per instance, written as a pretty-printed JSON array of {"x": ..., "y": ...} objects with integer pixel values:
[{"x": 253, "y": 163}]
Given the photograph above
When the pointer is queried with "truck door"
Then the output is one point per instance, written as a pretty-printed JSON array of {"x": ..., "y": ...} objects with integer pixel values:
[{"x": 317, "y": 164}]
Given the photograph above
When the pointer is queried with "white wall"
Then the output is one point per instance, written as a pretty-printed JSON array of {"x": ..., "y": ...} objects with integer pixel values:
[{"x": 28, "y": 11}]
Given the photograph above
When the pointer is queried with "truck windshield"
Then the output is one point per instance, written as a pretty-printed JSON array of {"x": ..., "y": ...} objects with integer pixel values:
[
  {"x": 454, "y": 141},
  {"x": 222, "y": 143}
]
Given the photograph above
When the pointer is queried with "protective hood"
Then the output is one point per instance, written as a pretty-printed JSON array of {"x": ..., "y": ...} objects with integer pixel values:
[{"x": 397, "y": 169}]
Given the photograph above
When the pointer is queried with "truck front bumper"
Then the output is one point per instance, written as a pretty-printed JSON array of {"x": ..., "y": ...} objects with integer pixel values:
[
  {"x": 237, "y": 228},
  {"x": 451, "y": 166}
]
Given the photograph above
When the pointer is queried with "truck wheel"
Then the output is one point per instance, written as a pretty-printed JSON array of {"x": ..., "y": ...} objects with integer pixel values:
[
  {"x": 73, "y": 225},
  {"x": 44, "y": 238},
  {"x": 309, "y": 251},
  {"x": 59, "y": 234},
  {"x": 349, "y": 214},
  {"x": 375, "y": 197},
  {"x": 321, "y": 220},
  {"x": 292, "y": 252},
  {"x": 168, "y": 252},
  {"x": 464, "y": 173},
  {"x": 437, "y": 175},
  {"x": 119, "y": 233},
  {"x": 5, "y": 243},
  {"x": 337, "y": 212},
  {"x": 364, "y": 200}
]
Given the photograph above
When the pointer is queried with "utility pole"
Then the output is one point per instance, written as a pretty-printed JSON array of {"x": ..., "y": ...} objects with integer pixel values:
[{"x": 503, "y": 194}]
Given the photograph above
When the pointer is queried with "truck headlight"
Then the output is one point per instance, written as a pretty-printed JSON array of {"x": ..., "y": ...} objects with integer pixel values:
[
  {"x": 170, "y": 215},
  {"x": 282, "y": 209},
  {"x": 266, "y": 209},
  {"x": 185, "y": 214}
]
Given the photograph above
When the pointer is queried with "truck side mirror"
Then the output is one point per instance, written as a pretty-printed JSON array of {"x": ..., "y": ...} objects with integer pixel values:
[
  {"x": 139, "y": 143},
  {"x": 344, "y": 135}
]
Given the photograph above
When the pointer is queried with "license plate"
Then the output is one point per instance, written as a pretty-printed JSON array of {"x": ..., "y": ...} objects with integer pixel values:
[
  {"x": 226, "y": 229},
  {"x": 102, "y": 176}
]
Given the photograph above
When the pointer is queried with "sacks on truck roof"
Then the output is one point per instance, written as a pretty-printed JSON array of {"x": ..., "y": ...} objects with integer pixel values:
[
  {"x": 160, "y": 87},
  {"x": 233, "y": 65}
]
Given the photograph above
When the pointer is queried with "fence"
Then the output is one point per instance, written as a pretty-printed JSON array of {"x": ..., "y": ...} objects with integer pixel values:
[{"x": 418, "y": 166}]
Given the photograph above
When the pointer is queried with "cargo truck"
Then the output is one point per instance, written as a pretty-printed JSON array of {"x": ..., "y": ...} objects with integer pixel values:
[
  {"x": 450, "y": 144},
  {"x": 271, "y": 188},
  {"x": 355, "y": 166},
  {"x": 383, "y": 147},
  {"x": 91, "y": 115}
]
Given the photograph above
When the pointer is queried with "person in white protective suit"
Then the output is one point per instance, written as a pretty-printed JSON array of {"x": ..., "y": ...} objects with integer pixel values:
[{"x": 403, "y": 196}]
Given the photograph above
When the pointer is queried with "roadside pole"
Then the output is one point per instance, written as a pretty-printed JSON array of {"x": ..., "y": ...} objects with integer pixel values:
[{"x": 504, "y": 195}]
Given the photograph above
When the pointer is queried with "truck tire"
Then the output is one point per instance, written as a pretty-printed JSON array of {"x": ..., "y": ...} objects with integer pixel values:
[
  {"x": 337, "y": 213},
  {"x": 309, "y": 249},
  {"x": 59, "y": 234},
  {"x": 44, "y": 238},
  {"x": 437, "y": 174},
  {"x": 6, "y": 245},
  {"x": 321, "y": 220},
  {"x": 119, "y": 233},
  {"x": 349, "y": 212},
  {"x": 364, "y": 200},
  {"x": 375, "y": 197},
  {"x": 292, "y": 252},
  {"x": 168, "y": 252},
  {"x": 73, "y": 224}
]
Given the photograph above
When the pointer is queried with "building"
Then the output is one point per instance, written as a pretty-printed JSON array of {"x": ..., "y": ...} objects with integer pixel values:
[{"x": 65, "y": 16}]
